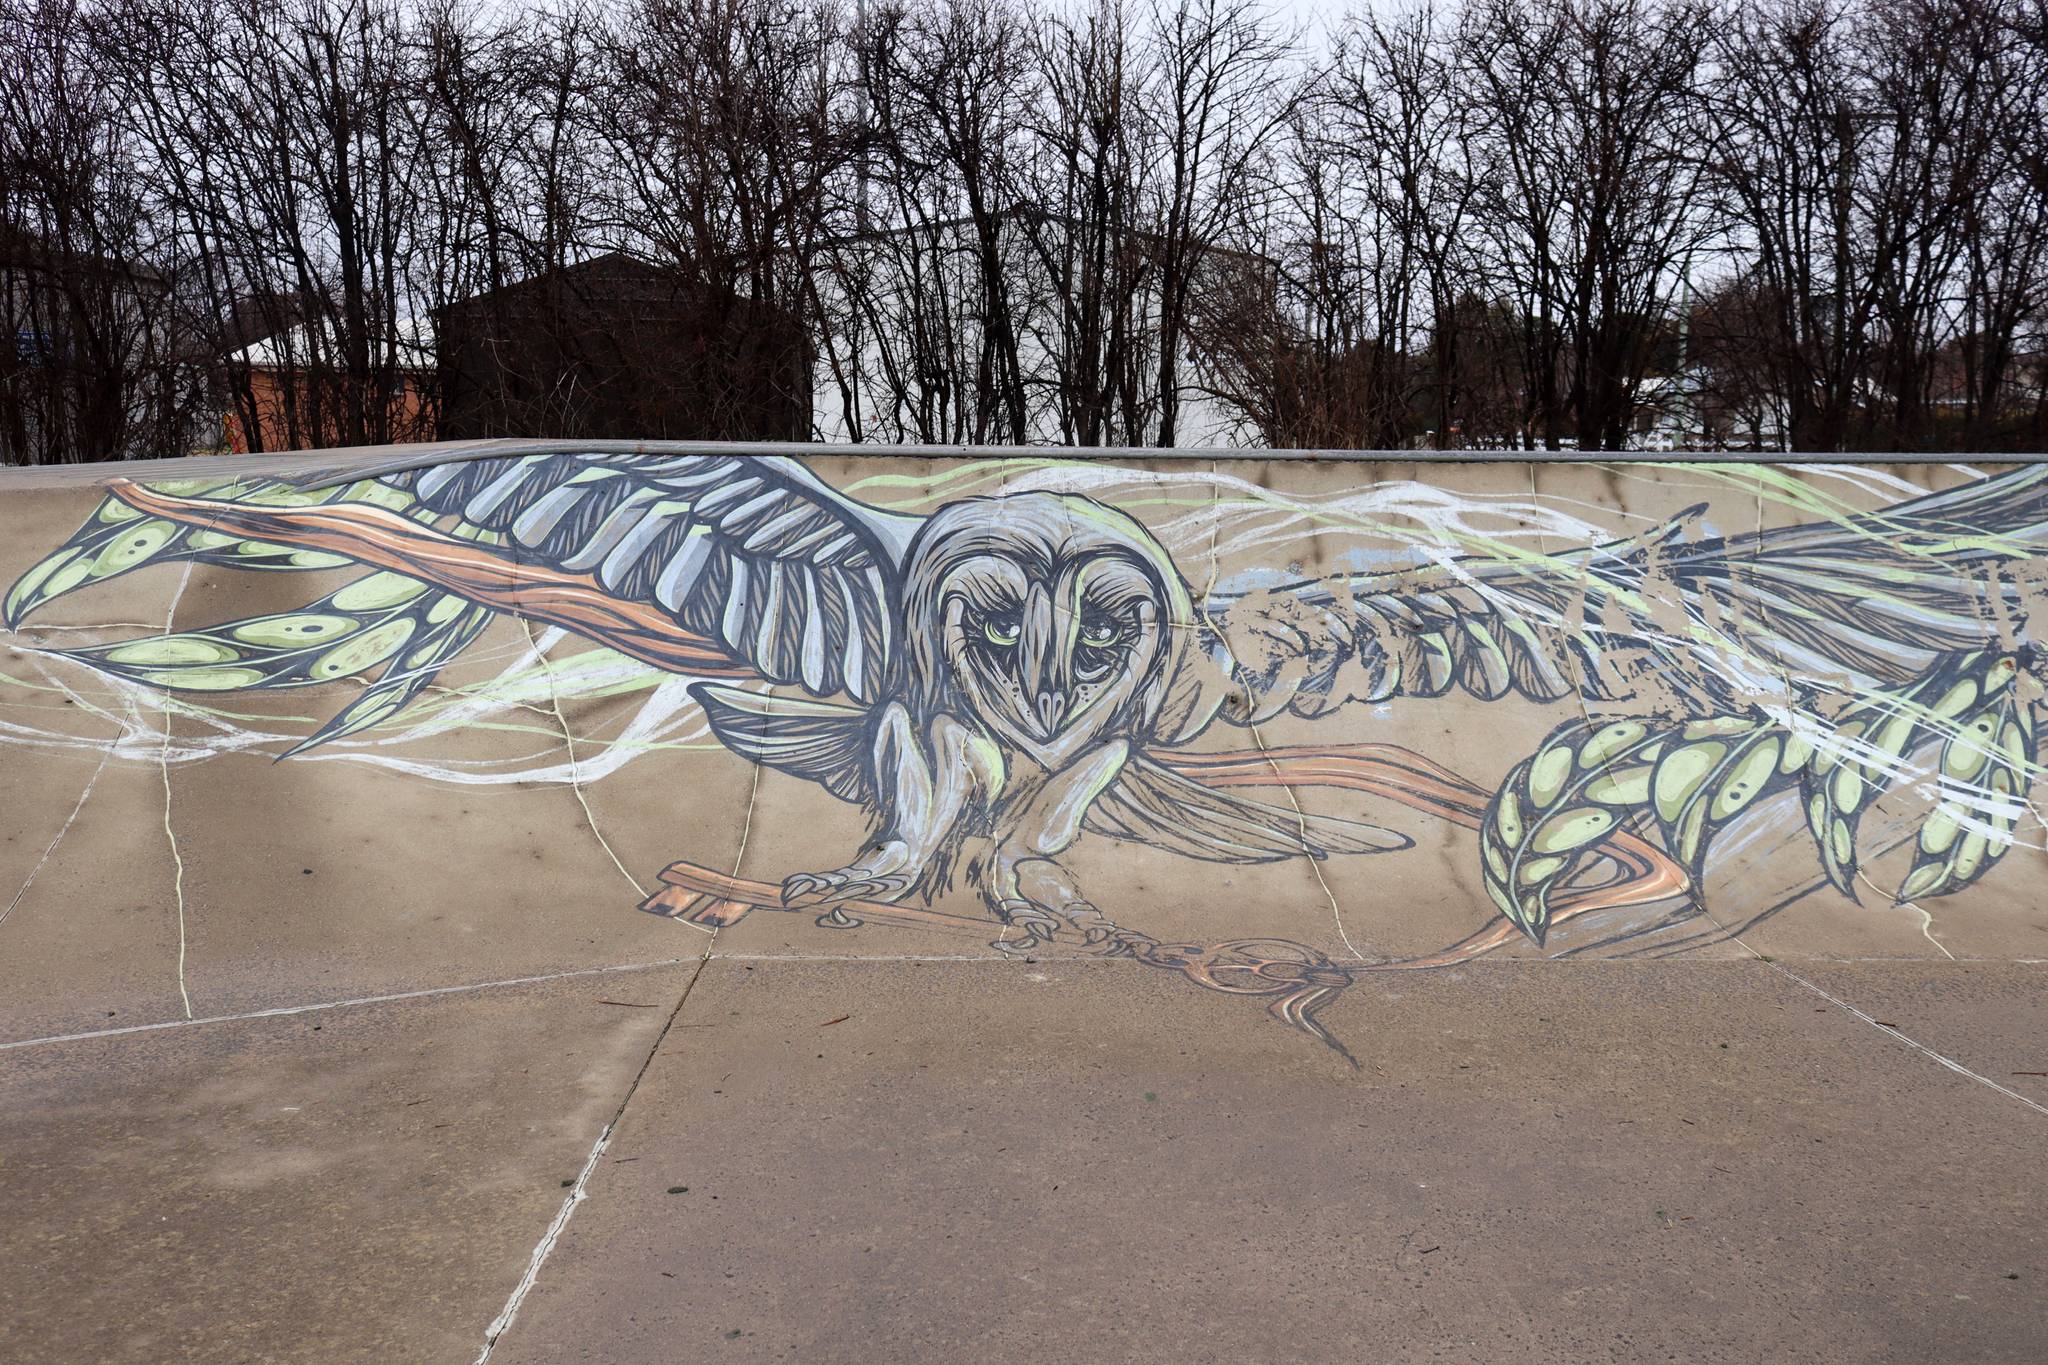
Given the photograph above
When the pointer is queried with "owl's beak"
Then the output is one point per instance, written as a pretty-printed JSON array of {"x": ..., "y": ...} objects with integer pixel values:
[
  {"x": 1052, "y": 710},
  {"x": 1041, "y": 660}
]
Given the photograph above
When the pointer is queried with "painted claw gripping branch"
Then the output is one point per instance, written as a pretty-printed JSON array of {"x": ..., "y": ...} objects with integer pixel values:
[{"x": 993, "y": 664}]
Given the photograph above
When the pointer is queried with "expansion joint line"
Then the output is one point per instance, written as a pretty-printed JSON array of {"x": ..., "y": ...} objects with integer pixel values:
[{"x": 1940, "y": 1059}]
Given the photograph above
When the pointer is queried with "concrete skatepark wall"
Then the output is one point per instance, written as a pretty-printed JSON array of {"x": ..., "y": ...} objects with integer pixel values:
[{"x": 1125, "y": 706}]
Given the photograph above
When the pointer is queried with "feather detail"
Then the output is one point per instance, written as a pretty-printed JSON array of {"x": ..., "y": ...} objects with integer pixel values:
[
  {"x": 793, "y": 578},
  {"x": 819, "y": 741},
  {"x": 1152, "y": 804}
]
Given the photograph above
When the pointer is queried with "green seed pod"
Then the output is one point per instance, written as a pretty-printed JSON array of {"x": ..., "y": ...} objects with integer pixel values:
[
  {"x": 1548, "y": 773},
  {"x": 164, "y": 651},
  {"x": 1846, "y": 789},
  {"x": 297, "y": 629},
  {"x": 1970, "y": 749},
  {"x": 1842, "y": 843},
  {"x": 377, "y": 592},
  {"x": 367, "y": 650},
  {"x": 133, "y": 548},
  {"x": 1496, "y": 860},
  {"x": 1921, "y": 880},
  {"x": 1623, "y": 787},
  {"x": 1939, "y": 830},
  {"x": 1572, "y": 829},
  {"x": 1717, "y": 727},
  {"x": 1680, "y": 774},
  {"x": 1508, "y": 818},
  {"x": 1610, "y": 740},
  {"x": 1746, "y": 780},
  {"x": 1969, "y": 856},
  {"x": 1958, "y": 699}
]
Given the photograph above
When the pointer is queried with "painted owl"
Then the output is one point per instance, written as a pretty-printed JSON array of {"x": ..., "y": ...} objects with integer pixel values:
[
  {"x": 995, "y": 680},
  {"x": 987, "y": 681}
]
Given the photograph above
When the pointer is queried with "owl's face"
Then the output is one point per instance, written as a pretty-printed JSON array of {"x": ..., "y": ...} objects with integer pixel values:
[{"x": 1049, "y": 618}]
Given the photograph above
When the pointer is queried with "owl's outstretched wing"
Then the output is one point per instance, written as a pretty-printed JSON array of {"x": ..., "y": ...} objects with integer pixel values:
[
  {"x": 720, "y": 566},
  {"x": 752, "y": 552},
  {"x": 1696, "y": 622}
]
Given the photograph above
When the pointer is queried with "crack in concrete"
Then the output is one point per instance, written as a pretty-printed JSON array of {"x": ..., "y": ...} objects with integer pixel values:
[
  {"x": 569, "y": 745},
  {"x": 993, "y": 959},
  {"x": 1566, "y": 665},
  {"x": 579, "y": 1191},
  {"x": 739, "y": 857},
  {"x": 1888, "y": 1030},
  {"x": 1926, "y": 917},
  {"x": 1315, "y": 864},
  {"x": 170, "y": 834},
  {"x": 1300, "y": 815},
  {"x": 69, "y": 821}
]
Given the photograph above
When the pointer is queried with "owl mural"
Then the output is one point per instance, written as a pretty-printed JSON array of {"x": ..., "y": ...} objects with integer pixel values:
[{"x": 1013, "y": 673}]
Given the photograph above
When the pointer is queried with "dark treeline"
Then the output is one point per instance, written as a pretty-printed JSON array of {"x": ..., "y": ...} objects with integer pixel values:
[{"x": 1592, "y": 224}]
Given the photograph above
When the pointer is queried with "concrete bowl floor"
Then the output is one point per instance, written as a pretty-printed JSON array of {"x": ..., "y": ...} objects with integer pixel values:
[{"x": 783, "y": 1157}]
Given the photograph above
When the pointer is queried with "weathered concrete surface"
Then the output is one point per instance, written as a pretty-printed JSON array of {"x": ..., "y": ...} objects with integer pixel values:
[
  {"x": 1070, "y": 1161},
  {"x": 341, "y": 1184},
  {"x": 296, "y": 1057}
]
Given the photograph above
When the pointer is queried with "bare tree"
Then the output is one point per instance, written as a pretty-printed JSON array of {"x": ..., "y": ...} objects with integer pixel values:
[
  {"x": 1089, "y": 174},
  {"x": 1815, "y": 223},
  {"x": 1214, "y": 108},
  {"x": 90, "y": 287},
  {"x": 1584, "y": 116}
]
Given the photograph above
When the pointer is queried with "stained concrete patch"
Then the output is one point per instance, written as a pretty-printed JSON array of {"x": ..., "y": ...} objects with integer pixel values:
[
  {"x": 350, "y": 1184},
  {"x": 969, "y": 1161}
]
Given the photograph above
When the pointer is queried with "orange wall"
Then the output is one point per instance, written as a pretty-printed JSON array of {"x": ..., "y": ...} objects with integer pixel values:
[{"x": 411, "y": 418}]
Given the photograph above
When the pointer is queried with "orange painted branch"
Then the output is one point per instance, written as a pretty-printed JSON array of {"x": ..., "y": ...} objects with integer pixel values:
[
  {"x": 1648, "y": 874},
  {"x": 383, "y": 539},
  {"x": 1644, "y": 874},
  {"x": 700, "y": 895}
]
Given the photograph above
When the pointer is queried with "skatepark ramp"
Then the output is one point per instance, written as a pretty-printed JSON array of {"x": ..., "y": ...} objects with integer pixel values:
[{"x": 966, "y": 880}]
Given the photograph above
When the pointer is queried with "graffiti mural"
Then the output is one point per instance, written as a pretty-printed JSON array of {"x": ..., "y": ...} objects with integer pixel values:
[{"x": 1001, "y": 661}]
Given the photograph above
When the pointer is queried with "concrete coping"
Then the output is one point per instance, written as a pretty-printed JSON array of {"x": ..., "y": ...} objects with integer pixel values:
[{"x": 357, "y": 461}]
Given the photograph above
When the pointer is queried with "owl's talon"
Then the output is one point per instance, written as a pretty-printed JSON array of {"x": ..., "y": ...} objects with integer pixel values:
[
  {"x": 795, "y": 889},
  {"x": 1095, "y": 926},
  {"x": 1035, "y": 924},
  {"x": 807, "y": 889}
]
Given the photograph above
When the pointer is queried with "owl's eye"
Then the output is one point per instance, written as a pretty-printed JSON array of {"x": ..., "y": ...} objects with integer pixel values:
[
  {"x": 1002, "y": 631},
  {"x": 1099, "y": 634}
]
